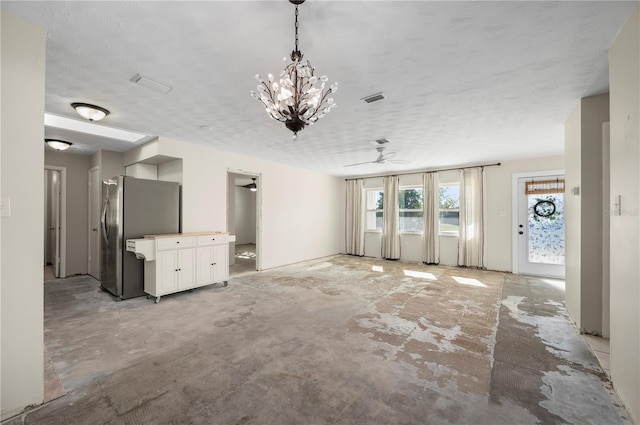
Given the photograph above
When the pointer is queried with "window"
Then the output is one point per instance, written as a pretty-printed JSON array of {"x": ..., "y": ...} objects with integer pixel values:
[
  {"x": 411, "y": 209},
  {"x": 374, "y": 209},
  {"x": 449, "y": 208}
]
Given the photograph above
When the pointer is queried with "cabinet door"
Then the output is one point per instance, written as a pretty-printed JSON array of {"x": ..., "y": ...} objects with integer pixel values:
[
  {"x": 167, "y": 272},
  {"x": 221, "y": 263},
  {"x": 186, "y": 268},
  {"x": 205, "y": 265}
]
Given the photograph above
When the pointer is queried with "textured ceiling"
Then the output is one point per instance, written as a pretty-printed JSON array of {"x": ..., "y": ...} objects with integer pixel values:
[{"x": 465, "y": 82}]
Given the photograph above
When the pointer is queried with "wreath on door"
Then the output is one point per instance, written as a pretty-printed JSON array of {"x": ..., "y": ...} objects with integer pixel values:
[{"x": 544, "y": 208}]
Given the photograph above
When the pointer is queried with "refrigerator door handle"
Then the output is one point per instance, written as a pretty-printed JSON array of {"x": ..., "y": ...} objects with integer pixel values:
[{"x": 103, "y": 221}]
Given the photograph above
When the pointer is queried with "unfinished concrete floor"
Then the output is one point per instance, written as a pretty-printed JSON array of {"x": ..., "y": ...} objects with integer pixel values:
[
  {"x": 244, "y": 259},
  {"x": 339, "y": 340}
]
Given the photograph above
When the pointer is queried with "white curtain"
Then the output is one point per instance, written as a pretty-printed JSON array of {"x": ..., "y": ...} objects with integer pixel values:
[
  {"x": 390, "y": 232},
  {"x": 355, "y": 216},
  {"x": 431, "y": 228},
  {"x": 471, "y": 234}
]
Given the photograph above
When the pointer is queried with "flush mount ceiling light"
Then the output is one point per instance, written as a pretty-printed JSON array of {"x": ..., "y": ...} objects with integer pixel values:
[
  {"x": 299, "y": 98},
  {"x": 59, "y": 145},
  {"x": 90, "y": 112}
]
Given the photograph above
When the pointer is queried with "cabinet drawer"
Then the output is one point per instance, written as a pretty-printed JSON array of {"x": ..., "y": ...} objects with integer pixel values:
[
  {"x": 176, "y": 243},
  {"x": 205, "y": 240}
]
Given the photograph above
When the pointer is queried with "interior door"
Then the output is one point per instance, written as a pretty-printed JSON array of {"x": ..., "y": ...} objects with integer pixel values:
[
  {"x": 46, "y": 217},
  {"x": 55, "y": 221},
  {"x": 94, "y": 222},
  {"x": 540, "y": 226}
]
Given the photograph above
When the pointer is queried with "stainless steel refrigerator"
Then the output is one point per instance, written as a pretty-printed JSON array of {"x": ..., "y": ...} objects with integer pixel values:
[{"x": 131, "y": 208}]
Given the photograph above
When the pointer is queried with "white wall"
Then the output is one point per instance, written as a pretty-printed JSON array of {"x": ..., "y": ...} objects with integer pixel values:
[
  {"x": 584, "y": 212},
  {"x": 411, "y": 243},
  {"x": 21, "y": 182},
  {"x": 302, "y": 211},
  {"x": 572, "y": 221},
  {"x": 77, "y": 207},
  {"x": 498, "y": 219},
  {"x": 499, "y": 203},
  {"x": 142, "y": 171},
  {"x": 245, "y": 213},
  {"x": 231, "y": 215},
  {"x": 624, "y": 76},
  {"x": 170, "y": 171},
  {"x": 110, "y": 163}
]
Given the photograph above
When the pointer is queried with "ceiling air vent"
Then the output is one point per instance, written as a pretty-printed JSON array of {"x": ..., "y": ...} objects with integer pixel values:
[
  {"x": 153, "y": 85},
  {"x": 373, "y": 98}
]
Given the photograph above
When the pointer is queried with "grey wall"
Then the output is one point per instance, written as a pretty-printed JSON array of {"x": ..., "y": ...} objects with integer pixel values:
[
  {"x": 77, "y": 207},
  {"x": 595, "y": 112},
  {"x": 606, "y": 245}
]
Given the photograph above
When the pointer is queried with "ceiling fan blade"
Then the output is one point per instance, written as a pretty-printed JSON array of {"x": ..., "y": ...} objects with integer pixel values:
[
  {"x": 389, "y": 155},
  {"x": 360, "y": 163},
  {"x": 398, "y": 161}
]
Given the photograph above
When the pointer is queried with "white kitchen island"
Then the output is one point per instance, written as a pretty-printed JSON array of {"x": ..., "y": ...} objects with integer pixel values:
[{"x": 182, "y": 261}]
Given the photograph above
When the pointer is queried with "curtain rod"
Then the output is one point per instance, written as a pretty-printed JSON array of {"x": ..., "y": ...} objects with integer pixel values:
[{"x": 497, "y": 164}]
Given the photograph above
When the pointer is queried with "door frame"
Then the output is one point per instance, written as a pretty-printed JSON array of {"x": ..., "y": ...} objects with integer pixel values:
[
  {"x": 63, "y": 216},
  {"x": 258, "y": 177},
  {"x": 89, "y": 229},
  {"x": 515, "y": 246}
]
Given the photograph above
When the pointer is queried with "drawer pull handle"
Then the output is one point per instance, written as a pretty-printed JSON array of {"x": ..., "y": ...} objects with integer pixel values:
[{"x": 177, "y": 241}]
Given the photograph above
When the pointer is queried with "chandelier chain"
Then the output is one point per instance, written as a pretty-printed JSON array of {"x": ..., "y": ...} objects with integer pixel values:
[{"x": 296, "y": 49}]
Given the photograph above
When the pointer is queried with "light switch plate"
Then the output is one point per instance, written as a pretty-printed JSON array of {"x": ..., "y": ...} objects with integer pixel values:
[{"x": 5, "y": 207}]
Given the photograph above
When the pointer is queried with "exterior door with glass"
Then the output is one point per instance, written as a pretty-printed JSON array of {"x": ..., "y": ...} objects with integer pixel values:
[{"x": 540, "y": 226}]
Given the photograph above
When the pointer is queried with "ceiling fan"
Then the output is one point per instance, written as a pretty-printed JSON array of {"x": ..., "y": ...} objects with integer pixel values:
[
  {"x": 383, "y": 158},
  {"x": 251, "y": 186}
]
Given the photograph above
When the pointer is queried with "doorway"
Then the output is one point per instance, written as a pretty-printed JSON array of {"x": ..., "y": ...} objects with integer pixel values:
[
  {"x": 55, "y": 222},
  {"x": 243, "y": 217},
  {"x": 95, "y": 196},
  {"x": 539, "y": 224}
]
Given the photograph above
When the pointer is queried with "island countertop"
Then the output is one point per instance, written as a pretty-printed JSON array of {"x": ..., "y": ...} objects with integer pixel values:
[{"x": 177, "y": 235}]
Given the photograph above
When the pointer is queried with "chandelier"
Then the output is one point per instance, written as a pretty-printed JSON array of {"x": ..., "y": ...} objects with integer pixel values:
[{"x": 299, "y": 97}]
